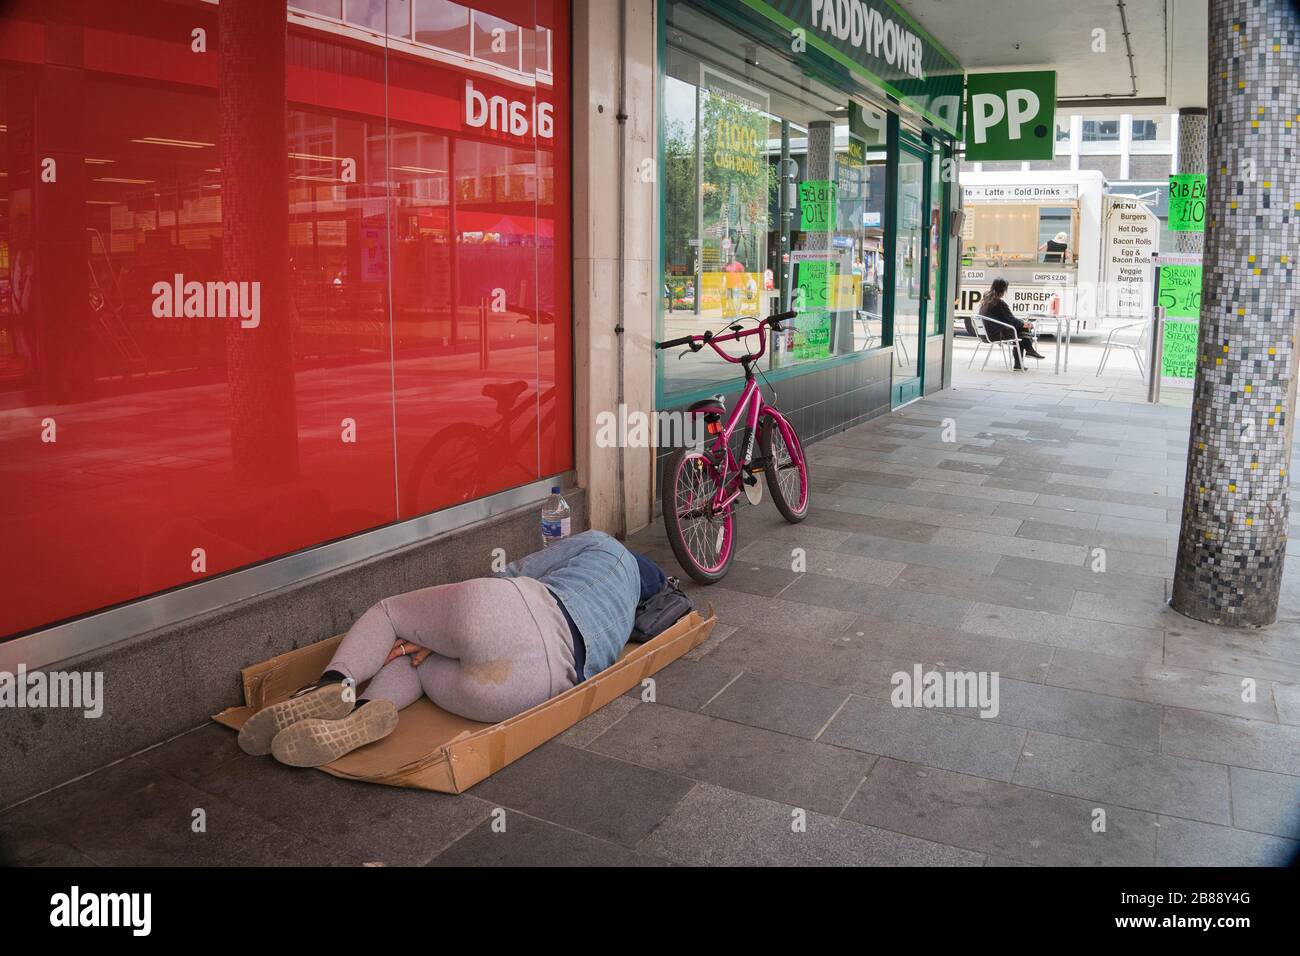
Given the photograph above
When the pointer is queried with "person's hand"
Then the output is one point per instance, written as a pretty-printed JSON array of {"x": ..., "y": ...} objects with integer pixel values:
[{"x": 414, "y": 651}]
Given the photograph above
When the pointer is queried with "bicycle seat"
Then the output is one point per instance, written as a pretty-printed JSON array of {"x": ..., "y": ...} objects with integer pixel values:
[{"x": 505, "y": 393}]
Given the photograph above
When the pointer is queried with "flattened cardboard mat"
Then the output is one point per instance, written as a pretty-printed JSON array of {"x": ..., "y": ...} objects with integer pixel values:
[{"x": 432, "y": 749}]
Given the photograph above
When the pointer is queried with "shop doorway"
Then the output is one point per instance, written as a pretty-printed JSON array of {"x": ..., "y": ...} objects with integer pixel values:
[{"x": 911, "y": 269}]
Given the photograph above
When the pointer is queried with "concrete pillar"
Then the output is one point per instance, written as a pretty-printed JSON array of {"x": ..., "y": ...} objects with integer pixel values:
[
  {"x": 1237, "y": 493},
  {"x": 1193, "y": 124},
  {"x": 619, "y": 481}
]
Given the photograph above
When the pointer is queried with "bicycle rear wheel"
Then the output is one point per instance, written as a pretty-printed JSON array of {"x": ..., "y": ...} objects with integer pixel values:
[
  {"x": 787, "y": 481},
  {"x": 704, "y": 542}
]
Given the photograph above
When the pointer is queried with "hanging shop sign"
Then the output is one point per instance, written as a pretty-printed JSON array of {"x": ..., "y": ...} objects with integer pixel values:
[
  {"x": 1010, "y": 116},
  {"x": 877, "y": 40},
  {"x": 1187, "y": 202},
  {"x": 868, "y": 124}
]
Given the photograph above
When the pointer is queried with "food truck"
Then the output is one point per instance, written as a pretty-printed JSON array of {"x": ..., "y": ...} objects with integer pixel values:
[{"x": 1010, "y": 224}]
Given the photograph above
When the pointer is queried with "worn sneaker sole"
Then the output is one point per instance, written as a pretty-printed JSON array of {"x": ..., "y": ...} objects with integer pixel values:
[
  {"x": 314, "y": 742},
  {"x": 258, "y": 732}
]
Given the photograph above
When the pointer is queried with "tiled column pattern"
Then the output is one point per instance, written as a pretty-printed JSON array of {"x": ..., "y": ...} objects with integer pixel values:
[
  {"x": 1193, "y": 126},
  {"x": 1237, "y": 493},
  {"x": 820, "y": 166}
]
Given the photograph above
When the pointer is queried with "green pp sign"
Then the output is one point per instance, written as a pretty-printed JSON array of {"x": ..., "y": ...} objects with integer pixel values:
[
  {"x": 1010, "y": 116},
  {"x": 1187, "y": 202}
]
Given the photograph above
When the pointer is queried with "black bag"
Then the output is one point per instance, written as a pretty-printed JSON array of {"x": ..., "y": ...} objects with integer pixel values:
[{"x": 661, "y": 611}]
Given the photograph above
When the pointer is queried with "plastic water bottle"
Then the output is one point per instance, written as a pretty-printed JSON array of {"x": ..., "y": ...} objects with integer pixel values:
[{"x": 555, "y": 518}]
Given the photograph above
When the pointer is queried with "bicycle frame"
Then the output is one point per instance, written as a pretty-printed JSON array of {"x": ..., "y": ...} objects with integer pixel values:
[{"x": 750, "y": 408}]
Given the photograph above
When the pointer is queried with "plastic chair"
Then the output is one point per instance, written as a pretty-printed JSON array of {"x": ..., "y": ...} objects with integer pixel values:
[{"x": 1137, "y": 346}]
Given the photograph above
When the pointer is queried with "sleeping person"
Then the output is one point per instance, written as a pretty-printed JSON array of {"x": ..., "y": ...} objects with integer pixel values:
[{"x": 486, "y": 649}]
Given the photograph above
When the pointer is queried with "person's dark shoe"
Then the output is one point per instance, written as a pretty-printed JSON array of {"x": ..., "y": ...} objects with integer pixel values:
[
  {"x": 327, "y": 701},
  {"x": 1033, "y": 353},
  {"x": 315, "y": 742}
]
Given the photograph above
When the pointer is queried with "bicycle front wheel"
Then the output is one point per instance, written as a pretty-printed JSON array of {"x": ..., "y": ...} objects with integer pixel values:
[
  {"x": 704, "y": 542},
  {"x": 786, "y": 480}
]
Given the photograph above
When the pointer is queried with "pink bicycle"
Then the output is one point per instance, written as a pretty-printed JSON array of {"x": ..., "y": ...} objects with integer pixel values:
[{"x": 703, "y": 484}]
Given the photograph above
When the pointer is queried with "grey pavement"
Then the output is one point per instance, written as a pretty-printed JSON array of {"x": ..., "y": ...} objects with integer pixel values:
[{"x": 1038, "y": 544}]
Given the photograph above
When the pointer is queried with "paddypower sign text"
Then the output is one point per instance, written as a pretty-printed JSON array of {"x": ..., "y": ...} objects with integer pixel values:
[
  {"x": 866, "y": 28},
  {"x": 1010, "y": 116},
  {"x": 878, "y": 41}
]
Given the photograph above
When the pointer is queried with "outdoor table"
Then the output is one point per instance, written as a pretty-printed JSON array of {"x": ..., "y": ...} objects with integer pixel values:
[{"x": 1062, "y": 323}]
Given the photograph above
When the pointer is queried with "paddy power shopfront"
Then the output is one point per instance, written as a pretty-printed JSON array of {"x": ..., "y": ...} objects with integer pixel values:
[{"x": 807, "y": 163}]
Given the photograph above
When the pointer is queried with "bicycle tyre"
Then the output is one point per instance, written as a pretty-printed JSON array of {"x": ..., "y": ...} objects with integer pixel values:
[
  {"x": 677, "y": 475},
  {"x": 773, "y": 469}
]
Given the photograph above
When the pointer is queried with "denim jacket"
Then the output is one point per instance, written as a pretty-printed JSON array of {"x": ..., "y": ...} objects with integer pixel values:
[{"x": 598, "y": 582}]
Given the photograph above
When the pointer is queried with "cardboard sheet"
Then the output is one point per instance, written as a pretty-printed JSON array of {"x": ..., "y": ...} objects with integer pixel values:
[{"x": 432, "y": 749}]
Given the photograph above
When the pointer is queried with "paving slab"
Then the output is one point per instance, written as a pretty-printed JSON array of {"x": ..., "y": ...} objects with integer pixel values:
[
  {"x": 1011, "y": 822},
  {"x": 718, "y": 827},
  {"x": 1125, "y": 777}
]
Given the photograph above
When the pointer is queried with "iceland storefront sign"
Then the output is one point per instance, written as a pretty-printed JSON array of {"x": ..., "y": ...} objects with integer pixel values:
[{"x": 876, "y": 39}]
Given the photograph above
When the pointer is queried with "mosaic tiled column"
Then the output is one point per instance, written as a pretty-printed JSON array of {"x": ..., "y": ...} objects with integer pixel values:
[
  {"x": 1237, "y": 493},
  {"x": 1193, "y": 127}
]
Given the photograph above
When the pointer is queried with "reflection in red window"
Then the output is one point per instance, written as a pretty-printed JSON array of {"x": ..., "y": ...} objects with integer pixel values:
[{"x": 270, "y": 276}]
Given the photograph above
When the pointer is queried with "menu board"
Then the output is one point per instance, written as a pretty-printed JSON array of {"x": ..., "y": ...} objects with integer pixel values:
[{"x": 1132, "y": 235}]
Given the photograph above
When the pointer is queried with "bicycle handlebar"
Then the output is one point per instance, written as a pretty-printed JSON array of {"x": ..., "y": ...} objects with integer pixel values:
[{"x": 697, "y": 342}]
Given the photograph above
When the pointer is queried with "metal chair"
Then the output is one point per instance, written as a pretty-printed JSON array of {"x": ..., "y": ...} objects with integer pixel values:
[
  {"x": 864, "y": 318},
  {"x": 981, "y": 323},
  {"x": 1137, "y": 346},
  {"x": 900, "y": 344}
]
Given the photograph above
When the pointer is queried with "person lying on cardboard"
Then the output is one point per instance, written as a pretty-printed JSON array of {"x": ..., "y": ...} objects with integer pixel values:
[{"x": 486, "y": 649}]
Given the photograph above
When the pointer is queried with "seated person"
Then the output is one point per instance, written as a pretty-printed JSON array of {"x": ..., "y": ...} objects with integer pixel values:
[
  {"x": 1056, "y": 249},
  {"x": 486, "y": 649},
  {"x": 993, "y": 306}
]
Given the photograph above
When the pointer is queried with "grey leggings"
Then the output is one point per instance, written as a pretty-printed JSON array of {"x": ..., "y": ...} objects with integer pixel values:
[{"x": 500, "y": 646}]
